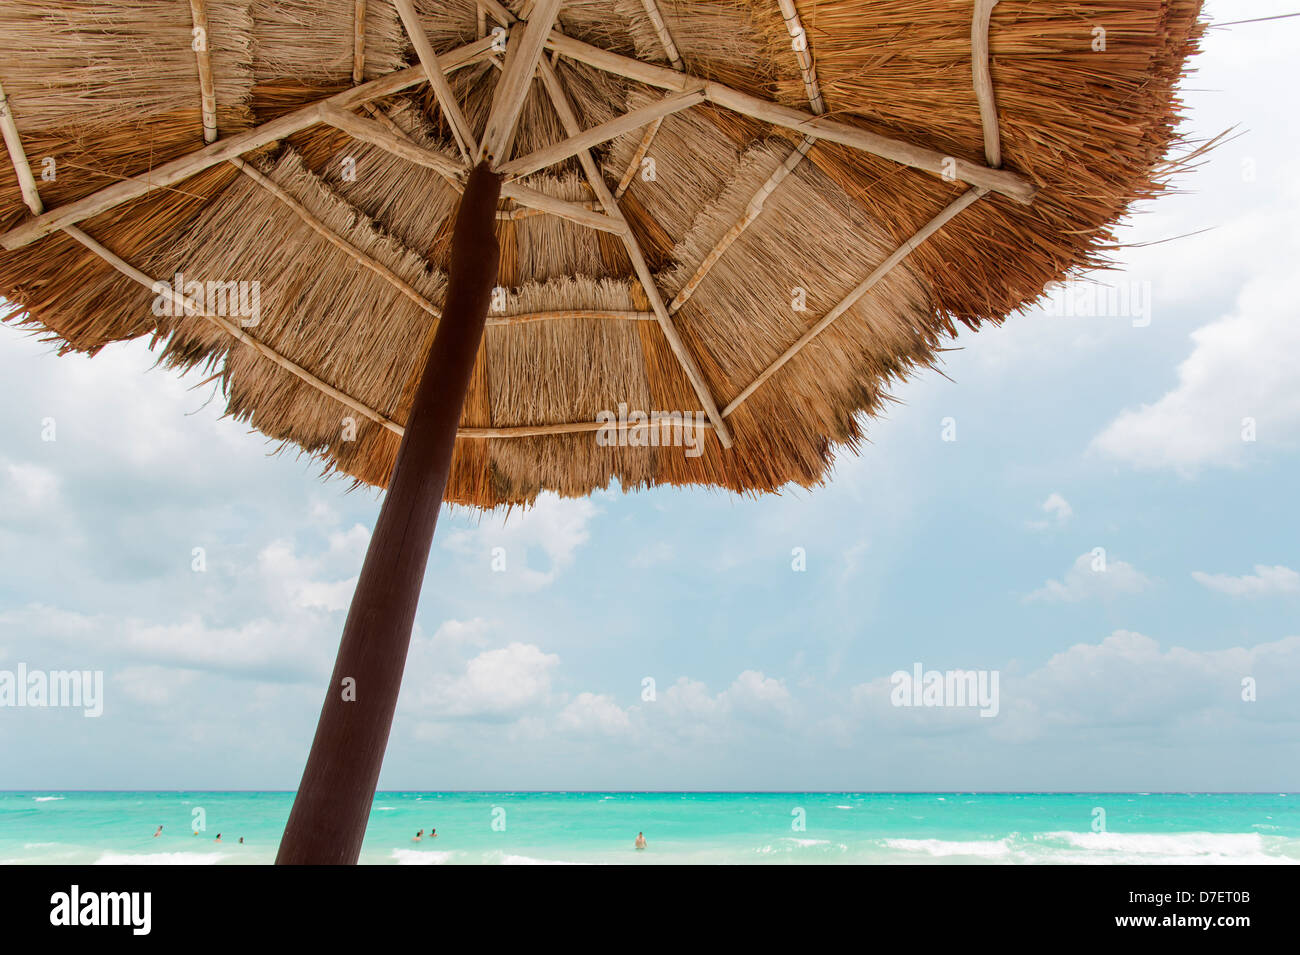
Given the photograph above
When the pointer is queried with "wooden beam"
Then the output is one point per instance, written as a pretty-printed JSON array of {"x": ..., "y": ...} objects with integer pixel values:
[
  {"x": 665, "y": 37},
  {"x": 633, "y": 119},
  {"x": 18, "y": 156},
  {"x": 377, "y": 134},
  {"x": 358, "y": 42},
  {"x": 751, "y": 213},
  {"x": 564, "y": 109},
  {"x": 573, "y": 211},
  {"x": 526, "y": 45},
  {"x": 202, "y": 44},
  {"x": 983, "y": 80},
  {"x": 909, "y": 154},
  {"x": 525, "y": 318},
  {"x": 574, "y": 427},
  {"x": 499, "y": 12},
  {"x": 879, "y": 272},
  {"x": 185, "y": 166},
  {"x": 460, "y": 128}
]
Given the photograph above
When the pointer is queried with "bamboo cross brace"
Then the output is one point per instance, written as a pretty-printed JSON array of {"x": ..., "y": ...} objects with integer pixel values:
[
  {"x": 966, "y": 199},
  {"x": 810, "y": 124},
  {"x": 751, "y": 213},
  {"x": 983, "y": 80},
  {"x": 202, "y": 44},
  {"x": 665, "y": 37},
  {"x": 187, "y": 165},
  {"x": 460, "y": 128},
  {"x": 564, "y": 109},
  {"x": 525, "y": 48},
  {"x": 803, "y": 53},
  {"x": 358, "y": 42},
  {"x": 595, "y": 135},
  {"x": 18, "y": 156},
  {"x": 637, "y": 155}
]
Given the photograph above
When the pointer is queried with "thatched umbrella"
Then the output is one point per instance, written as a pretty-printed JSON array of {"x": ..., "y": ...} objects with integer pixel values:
[{"x": 756, "y": 214}]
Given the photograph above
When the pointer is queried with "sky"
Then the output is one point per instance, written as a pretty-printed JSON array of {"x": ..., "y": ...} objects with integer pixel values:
[{"x": 669, "y": 639}]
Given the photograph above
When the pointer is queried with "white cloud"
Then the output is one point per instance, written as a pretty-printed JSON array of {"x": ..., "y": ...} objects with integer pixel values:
[
  {"x": 1264, "y": 582},
  {"x": 1093, "y": 576},
  {"x": 1058, "y": 508},
  {"x": 594, "y": 714},
  {"x": 1242, "y": 370},
  {"x": 1124, "y": 681},
  {"x": 498, "y": 683},
  {"x": 30, "y": 485},
  {"x": 555, "y": 527}
]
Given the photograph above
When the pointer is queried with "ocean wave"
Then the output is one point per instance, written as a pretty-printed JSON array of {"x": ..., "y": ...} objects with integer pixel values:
[
  {"x": 421, "y": 857},
  {"x": 1174, "y": 847},
  {"x": 942, "y": 848},
  {"x": 48, "y": 798},
  {"x": 160, "y": 858}
]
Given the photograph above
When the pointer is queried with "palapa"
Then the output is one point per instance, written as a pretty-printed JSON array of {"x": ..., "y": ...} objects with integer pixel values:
[{"x": 765, "y": 212}]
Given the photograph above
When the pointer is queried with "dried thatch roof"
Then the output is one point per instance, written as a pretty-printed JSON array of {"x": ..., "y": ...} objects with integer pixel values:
[{"x": 347, "y": 239}]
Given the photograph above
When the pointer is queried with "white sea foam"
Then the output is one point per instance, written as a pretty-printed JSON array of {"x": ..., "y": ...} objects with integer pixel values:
[
  {"x": 160, "y": 858},
  {"x": 1171, "y": 847},
  {"x": 48, "y": 798},
  {"x": 529, "y": 860},
  {"x": 421, "y": 857},
  {"x": 942, "y": 848}
]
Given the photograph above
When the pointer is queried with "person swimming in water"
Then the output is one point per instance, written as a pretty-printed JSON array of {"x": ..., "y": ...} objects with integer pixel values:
[
  {"x": 157, "y": 832},
  {"x": 433, "y": 833},
  {"x": 218, "y": 839},
  {"x": 418, "y": 836},
  {"x": 640, "y": 840}
]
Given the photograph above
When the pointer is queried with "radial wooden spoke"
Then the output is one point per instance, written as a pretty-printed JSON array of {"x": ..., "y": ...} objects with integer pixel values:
[
  {"x": 908, "y": 154},
  {"x": 377, "y": 134},
  {"x": 633, "y": 119},
  {"x": 523, "y": 51},
  {"x": 460, "y": 128},
  {"x": 879, "y": 272}
]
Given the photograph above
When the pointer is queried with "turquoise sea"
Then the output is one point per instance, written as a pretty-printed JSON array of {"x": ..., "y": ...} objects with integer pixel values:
[{"x": 590, "y": 827}]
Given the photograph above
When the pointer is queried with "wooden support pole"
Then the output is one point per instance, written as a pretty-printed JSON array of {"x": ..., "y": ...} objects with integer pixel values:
[
  {"x": 966, "y": 199},
  {"x": 202, "y": 44},
  {"x": 330, "y": 812},
  {"x": 170, "y": 173},
  {"x": 377, "y": 134}
]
